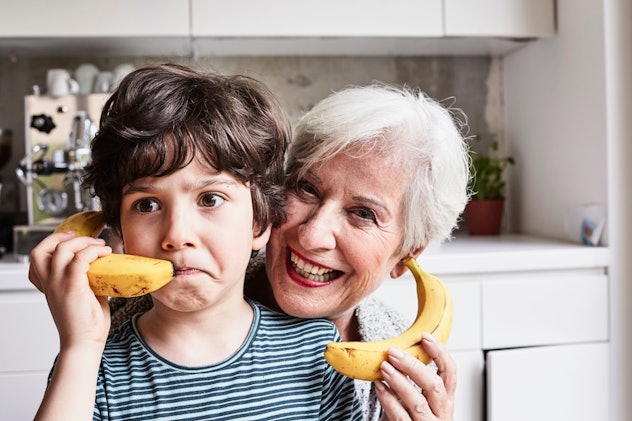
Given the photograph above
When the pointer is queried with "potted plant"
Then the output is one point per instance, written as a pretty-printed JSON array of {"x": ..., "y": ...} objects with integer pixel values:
[{"x": 483, "y": 213}]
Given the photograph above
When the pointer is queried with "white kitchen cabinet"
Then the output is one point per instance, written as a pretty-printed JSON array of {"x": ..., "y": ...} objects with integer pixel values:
[
  {"x": 29, "y": 346},
  {"x": 373, "y": 27},
  {"x": 549, "y": 308},
  {"x": 324, "y": 18},
  {"x": 95, "y": 18},
  {"x": 499, "y": 18},
  {"x": 529, "y": 316},
  {"x": 553, "y": 383}
]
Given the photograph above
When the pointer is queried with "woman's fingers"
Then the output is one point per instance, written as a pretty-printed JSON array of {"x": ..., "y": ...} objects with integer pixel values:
[
  {"x": 436, "y": 400},
  {"x": 392, "y": 408},
  {"x": 446, "y": 367}
]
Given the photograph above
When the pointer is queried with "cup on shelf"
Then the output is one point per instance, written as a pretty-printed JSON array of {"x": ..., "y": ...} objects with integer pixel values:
[
  {"x": 60, "y": 83},
  {"x": 103, "y": 82},
  {"x": 85, "y": 75},
  {"x": 120, "y": 72}
]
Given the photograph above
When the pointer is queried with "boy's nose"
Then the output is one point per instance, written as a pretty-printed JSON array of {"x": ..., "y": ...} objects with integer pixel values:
[{"x": 178, "y": 232}]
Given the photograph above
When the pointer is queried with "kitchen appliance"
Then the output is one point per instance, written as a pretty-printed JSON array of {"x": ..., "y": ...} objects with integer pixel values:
[{"x": 57, "y": 139}]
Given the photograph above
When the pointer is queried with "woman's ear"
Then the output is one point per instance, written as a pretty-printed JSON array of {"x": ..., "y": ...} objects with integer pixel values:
[{"x": 401, "y": 268}]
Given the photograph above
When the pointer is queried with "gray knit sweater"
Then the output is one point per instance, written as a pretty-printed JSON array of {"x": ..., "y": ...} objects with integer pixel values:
[{"x": 377, "y": 321}]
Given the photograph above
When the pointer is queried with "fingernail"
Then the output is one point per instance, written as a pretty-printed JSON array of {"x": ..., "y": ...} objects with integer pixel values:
[
  {"x": 379, "y": 386},
  {"x": 395, "y": 352},
  {"x": 427, "y": 336},
  {"x": 387, "y": 369}
]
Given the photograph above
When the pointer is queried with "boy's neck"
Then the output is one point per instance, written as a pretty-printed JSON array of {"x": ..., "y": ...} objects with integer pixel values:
[{"x": 196, "y": 338}]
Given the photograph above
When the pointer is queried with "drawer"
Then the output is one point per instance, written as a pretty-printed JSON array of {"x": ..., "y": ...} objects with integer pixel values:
[
  {"x": 544, "y": 309},
  {"x": 29, "y": 337},
  {"x": 21, "y": 394},
  {"x": 401, "y": 295}
]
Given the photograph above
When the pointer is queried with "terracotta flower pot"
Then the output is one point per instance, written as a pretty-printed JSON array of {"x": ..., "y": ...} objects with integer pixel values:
[{"x": 484, "y": 217}]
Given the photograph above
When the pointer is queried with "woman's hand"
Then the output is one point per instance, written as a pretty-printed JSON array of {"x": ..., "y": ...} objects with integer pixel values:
[
  {"x": 401, "y": 399},
  {"x": 59, "y": 266}
]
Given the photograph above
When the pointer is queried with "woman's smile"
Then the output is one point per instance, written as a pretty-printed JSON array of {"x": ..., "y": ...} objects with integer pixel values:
[{"x": 310, "y": 270}]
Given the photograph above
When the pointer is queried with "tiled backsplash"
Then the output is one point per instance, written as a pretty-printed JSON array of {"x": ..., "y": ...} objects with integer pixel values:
[{"x": 472, "y": 84}]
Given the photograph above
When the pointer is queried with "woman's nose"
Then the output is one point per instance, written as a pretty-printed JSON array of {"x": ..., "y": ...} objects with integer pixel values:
[
  {"x": 178, "y": 231},
  {"x": 319, "y": 230}
]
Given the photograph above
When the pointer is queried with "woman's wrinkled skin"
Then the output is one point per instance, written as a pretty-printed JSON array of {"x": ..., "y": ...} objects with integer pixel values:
[{"x": 341, "y": 239}]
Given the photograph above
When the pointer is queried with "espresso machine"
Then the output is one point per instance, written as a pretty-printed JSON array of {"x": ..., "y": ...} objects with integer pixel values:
[{"x": 58, "y": 133}]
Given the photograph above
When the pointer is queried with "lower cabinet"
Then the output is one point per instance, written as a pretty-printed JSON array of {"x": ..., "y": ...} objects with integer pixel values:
[
  {"x": 470, "y": 397},
  {"x": 29, "y": 346},
  {"x": 528, "y": 345},
  {"x": 550, "y": 383}
]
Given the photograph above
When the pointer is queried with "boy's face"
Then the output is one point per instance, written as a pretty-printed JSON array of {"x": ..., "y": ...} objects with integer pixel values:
[{"x": 202, "y": 221}]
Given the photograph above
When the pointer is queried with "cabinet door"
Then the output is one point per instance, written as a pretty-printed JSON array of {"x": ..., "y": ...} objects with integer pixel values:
[
  {"x": 324, "y": 18},
  {"x": 29, "y": 338},
  {"x": 468, "y": 402},
  {"x": 500, "y": 18},
  {"x": 21, "y": 394},
  {"x": 535, "y": 309},
  {"x": 568, "y": 382},
  {"x": 95, "y": 18},
  {"x": 29, "y": 345}
]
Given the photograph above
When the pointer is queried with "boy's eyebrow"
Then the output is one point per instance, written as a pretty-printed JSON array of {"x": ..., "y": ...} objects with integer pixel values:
[{"x": 146, "y": 187}]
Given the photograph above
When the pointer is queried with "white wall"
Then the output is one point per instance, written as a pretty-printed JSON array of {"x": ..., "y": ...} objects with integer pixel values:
[{"x": 555, "y": 121}]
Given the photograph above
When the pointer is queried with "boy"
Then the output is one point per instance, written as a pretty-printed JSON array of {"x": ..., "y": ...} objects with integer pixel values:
[{"x": 189, "y": 168}]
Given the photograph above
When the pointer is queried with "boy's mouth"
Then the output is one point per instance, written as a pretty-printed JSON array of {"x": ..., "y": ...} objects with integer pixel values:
[{"x": 311, "y": 271}]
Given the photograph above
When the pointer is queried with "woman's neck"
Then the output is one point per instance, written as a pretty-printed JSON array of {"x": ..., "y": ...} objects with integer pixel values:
[{"x": 348, "y": 326}]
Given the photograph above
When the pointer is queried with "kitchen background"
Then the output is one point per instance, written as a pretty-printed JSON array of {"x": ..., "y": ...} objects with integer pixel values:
[
  {"x": 472, "y": 84},
  {"x": 533, "y": 312}
]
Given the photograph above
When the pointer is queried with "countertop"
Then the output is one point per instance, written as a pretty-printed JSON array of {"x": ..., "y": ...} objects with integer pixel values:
[
  {"x": 509, "y": 253},
  {"x": 14, "y": 274},
  {"x": 463, "y": 255}
]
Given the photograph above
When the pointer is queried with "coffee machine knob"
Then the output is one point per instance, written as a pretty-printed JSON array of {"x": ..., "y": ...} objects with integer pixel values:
[{"x": 43, "y": 123}]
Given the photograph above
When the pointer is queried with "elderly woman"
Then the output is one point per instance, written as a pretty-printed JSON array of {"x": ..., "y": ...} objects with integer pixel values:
[{"x": 374, "y": 174}]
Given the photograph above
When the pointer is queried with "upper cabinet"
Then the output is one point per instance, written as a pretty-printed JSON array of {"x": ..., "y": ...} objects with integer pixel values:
[
  {"x": 274, "y": 27},
  {"x": 368, "y": 27},
  {"x": 95, "y": 18},
  {"x": 499, "y": 18},
  {"x": 323, "y": 18}
]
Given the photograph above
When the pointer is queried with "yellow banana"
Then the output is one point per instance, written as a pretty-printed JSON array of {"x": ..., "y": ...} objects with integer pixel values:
[
  {"x": 88, "y": 223},
  {"x": 362, "y": 360},
  {"x": 118, "y": 275}
]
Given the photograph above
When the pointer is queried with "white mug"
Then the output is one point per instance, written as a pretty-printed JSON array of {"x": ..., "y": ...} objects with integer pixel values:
[
  {"x": 103, "y": 82},
  {"x": 85, "y": 75},
  {"x": 120, "y": 72},
  {"x": 59, "y": 83}
]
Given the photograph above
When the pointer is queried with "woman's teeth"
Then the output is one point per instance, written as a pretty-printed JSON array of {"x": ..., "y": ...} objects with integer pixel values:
[{"x": 311, "y": 272}]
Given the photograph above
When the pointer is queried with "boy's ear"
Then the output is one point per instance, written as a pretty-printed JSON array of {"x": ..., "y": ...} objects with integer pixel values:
[
  {"x": 401, "y": 268},
  {"x": 259, "y": 241}
]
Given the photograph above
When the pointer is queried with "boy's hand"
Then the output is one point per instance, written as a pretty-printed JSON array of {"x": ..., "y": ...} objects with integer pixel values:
[{"x": 58, "y": 268}]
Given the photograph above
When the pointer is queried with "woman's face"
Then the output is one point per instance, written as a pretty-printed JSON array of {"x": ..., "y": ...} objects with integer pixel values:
[{"x": 341, "y": 239}]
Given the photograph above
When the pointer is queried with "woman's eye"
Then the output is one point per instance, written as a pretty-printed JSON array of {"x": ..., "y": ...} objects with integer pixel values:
[
  {"x": 304, "y": 187},
  {"x": 146, "y": 206},
  {"x": 366, "y": 214},
  {"x": 211, "y": 200}
]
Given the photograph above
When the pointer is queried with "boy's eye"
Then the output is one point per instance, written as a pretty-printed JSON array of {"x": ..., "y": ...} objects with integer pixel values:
[
  {"x": 146, "y": 206},
  {"x": 211, "y": 200}
]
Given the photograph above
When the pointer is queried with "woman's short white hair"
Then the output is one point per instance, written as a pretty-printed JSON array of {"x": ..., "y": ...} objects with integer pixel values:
[{"x": 410, "y": 130}]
